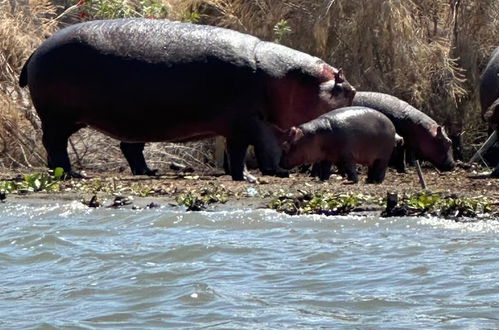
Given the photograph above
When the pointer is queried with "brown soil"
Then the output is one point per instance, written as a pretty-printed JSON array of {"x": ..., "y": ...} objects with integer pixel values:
[{"x": 470, "y": 183}]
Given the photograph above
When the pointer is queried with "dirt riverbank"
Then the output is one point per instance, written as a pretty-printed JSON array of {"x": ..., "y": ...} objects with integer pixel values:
[{"x": 165, "y": 190}]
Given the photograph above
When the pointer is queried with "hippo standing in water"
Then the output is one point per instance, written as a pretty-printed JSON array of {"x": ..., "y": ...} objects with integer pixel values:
[
  {"x": 421, "y": 133},
  {"x": 141, "y": 80},
  {"x": 344, "y": 137},
  {"x": 489, "y": 95}
]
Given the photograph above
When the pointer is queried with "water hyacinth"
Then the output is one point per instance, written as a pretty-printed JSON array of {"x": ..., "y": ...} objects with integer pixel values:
[{"x": 318, "y": 203}]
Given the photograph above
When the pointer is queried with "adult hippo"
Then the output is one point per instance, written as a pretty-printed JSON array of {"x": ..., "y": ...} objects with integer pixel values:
[
  {"x": 489, "y": 95},
  {"x": 344, "y": 137},
  {"x": 489, "y": 83},
  {"x": 141, "y": 80},
  {"x": 421, "y": 133}
]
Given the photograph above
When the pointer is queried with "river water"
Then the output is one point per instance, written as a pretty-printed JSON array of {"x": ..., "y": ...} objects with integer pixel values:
[{"x": 63, "y": 265}]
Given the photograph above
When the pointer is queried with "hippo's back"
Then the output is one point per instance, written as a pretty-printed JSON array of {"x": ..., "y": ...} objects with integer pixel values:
[
  {"x": 155, "y": 41},
  {"x": 353, "y": 121},
  {"x": 402, "y": 114},
  {"x": 173, "y": 43}
]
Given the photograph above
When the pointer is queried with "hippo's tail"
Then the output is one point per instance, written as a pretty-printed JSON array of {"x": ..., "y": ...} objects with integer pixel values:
[{"x": 23, "y": 78}]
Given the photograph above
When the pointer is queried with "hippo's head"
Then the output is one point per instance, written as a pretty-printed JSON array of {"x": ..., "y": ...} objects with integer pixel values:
[
  {"x": 301, "y": 96},
  {"x": 336, "y": 92},
  {"x": 297, "y": 148},
  {"x": 436, "y": 147}
]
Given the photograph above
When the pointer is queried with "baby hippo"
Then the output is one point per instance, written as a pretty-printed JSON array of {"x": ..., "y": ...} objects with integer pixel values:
[{"x": 343, "y": 137}]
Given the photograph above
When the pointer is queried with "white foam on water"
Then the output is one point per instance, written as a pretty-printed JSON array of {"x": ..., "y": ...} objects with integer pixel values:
[{"x": 482, "y": 226}]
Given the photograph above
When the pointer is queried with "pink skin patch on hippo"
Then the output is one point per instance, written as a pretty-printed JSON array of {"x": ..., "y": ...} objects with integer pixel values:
[{"x": 328, "y": 73}]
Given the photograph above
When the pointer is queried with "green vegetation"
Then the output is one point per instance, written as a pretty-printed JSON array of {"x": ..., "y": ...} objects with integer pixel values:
[
  {"x": 36, "y": 182},
  {"x": 281, "y": 29},
  {"x": 197, "y": 201},
  {"x": 440, "y": 205},
  {"x": 108, "y": 9},
  {"x": 318, "y": 203}
]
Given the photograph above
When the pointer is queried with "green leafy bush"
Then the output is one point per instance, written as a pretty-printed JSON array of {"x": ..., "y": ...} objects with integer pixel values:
[{"x": 109, "y": 9}]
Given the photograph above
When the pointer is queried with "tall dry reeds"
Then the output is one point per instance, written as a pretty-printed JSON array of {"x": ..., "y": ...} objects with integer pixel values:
[
  {"x": 23, "y": 26},
  {"x": 427, "y": 52}
]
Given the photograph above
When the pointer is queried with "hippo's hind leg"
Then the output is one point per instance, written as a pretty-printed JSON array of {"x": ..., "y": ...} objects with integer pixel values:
[
  {"x": 55, "y": 140},
  {"x": 376, "y": 171},
  {"x": 134, "y": 155},
  {"x": 397, "y": 159},
  {"x": 237, "y": 145},
  {"x": 347, "y": 166}
]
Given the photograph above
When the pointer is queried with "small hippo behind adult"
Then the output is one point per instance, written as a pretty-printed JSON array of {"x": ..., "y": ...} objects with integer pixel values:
[
  {"x": 344, "y": 137},
  {"x": 421, "y": 133},
  {"x": 141, "y": 80}
]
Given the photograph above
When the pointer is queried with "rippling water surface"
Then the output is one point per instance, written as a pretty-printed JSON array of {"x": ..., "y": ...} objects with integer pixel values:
[{"x": 65, "y": 265}]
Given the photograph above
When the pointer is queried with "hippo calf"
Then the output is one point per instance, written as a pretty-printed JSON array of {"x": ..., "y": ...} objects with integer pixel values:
[
  {"x": 143, "y": 80},
  {"x": 421, "y": 133},
  {"x": 344, "y": 137}
]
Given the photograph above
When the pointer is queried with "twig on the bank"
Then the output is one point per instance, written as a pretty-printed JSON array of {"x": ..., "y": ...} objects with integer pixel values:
[{"x": 422, "y": 181}]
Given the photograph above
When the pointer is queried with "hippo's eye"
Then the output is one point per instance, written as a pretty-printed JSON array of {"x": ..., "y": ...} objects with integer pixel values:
[{"x": 337, "y": 89}]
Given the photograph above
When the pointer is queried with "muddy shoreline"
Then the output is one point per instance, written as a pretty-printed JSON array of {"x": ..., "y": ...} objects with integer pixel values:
[{"x": 141, "y": 191}]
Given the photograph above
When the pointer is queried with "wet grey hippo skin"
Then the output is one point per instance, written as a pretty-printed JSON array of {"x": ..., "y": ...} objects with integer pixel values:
[
  {"x": 344, "y": 137},
  {"x": 421, "y": 133},
  {"x": 141, "y": 80},
  {"x": 489, "y": 95}
]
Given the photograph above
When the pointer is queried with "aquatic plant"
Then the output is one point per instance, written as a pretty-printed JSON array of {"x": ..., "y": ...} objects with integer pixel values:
[
  {"x": 465, "y": 207},
  {"x": 197, "y": 201},
  {"x": 440, "y": 205},
  {"x": 318, "y": 203},
  {"x": 35, "y": 182}
]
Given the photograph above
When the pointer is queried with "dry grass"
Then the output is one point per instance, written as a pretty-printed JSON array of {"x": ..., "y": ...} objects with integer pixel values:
[
  {"x": 23, "y": 27},
  {"x": 428, "y": 52}
]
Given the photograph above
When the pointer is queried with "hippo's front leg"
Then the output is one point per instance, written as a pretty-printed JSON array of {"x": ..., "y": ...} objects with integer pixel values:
[
  {"x": 267, "y": 150},
  {"x": 324, "y": 170},
  {"x": 254, "y": 131},
  {"x": 347, "y": 166}
]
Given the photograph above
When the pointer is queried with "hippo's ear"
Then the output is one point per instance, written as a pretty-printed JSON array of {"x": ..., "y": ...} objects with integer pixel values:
[
  {"x": 435, "y": 129},
  {"x": 339, "y": 76},
  {"x": 441, "y": 132},
  {"x": 442, "y": 136},
  {"x": 295, "y": 134}
]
